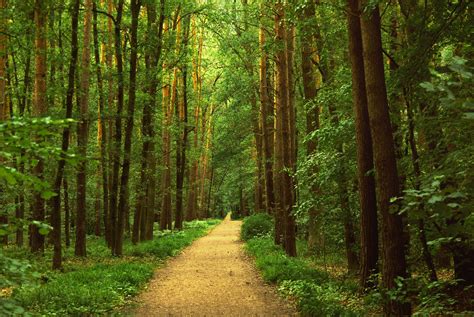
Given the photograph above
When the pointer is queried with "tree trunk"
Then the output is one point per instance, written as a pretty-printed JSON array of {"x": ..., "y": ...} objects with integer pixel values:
[
  {"x": 367, "y": 196},
  {"x": 67, "y": 213},
  {"x": 168, "y": 99},
  {"x": 191, "y": 208},
  {"x": 39, "y": 109},
  {"x": 182, "y": 137},
  {"x": 312, "y": 80},
  {"x": 394, "y": 263},
  {"x": 114, "y": 215},
  {"x": 101, "y": 131},
  {"x": 4, "y": 108},
  {"x": 123, "y": 201},
  {"x": 83, "y": 135},
  {"x": 285, "y": 137},
  {"x": 266, "y": 122},
  {"x": 56, "y": 203}
]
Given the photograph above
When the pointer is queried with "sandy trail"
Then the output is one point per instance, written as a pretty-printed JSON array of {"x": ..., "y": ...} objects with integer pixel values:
[{"x": 212, "y": 277}]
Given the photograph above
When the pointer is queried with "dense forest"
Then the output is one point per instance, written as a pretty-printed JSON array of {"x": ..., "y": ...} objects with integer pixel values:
[{"x": 349, "y": 123}]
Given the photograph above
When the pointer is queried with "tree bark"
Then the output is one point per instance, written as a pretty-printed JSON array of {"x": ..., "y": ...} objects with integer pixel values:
[
  {"x": 312, "y": 80},
  {"x": 101, "y": 131},
  {"x": 114, "y": 215},
  {"x": 83, "y": 135},
  {"x": 367, "y": 197},
  {"x": 285, "y": 137},
  {"x": 182, "y": 137},
  {"x": 4, "y": 107},
  {"x": 394, "y": 263},
  {"x": 39, "y": 109},
  {"x": 124, "y": 193},
  {"x": 266, "y": 121},
  {"x": 56, "y": 203}
]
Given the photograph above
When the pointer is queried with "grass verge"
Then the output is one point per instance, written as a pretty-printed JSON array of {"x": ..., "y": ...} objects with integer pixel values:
[
  {"x": 315, "y": 292},
  {"x": 101, "y": 284}
]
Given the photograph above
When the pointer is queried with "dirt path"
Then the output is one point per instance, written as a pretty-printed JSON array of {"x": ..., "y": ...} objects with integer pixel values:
[{"x": 212, "y": 277}]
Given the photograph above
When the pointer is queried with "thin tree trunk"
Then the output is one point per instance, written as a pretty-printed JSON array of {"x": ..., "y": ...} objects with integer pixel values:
[
  {"x": 312, "y": 80},
  {"x": 109, "y": 54},
  {"x": 67, "y": 213},
  {"x": 83, "y": 135},
  {"x": 4, "y": 107},
  {"x": 168, "y": 100},
  {"x": 183, "y": 134},
  {"x": 266, "y": 113},
  {"x": 101, "y": 131},
  {"x": 191, "y": 212},
  {"x": 114, "y": 214},
  {"x": 56, "y": 203},
  {"x": 39, "y": 109},
  {"x": 415, "y": 158},
  {"x": 124, "y": 194}
]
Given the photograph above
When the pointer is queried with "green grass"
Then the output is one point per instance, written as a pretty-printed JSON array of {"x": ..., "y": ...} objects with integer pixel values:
[
  {"x": 100, "y": 284},
  {"x": 315, "y": 291}
]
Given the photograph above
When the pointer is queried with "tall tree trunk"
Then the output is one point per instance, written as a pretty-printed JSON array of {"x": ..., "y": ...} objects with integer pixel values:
[
  {"x": 4, "y": 108},
  {"x": 266, "y": 122},
  {"x": 83, "y": 135},
  {"x": 394, "y": 263},
  {"x": 114, "y": 214},
  {"x": 284, "y": 137},
  {"x": 312, "y": 80},
  {"x": 124, "y": 194},
  {"x": 39, "y": 109},
  {"x": 168, "y": 99},
  {"x": 109, "y": 54},
  {"x": 182, "y": 137},
  {"x": 56, "y": 203},
  {"x": 191, "y": 208},
  {"x": 101, "y": 130},
  {"x": 415, "y": 158},
  {"x": 367, "y": 197},
  {"x": 280, "y": 98}
]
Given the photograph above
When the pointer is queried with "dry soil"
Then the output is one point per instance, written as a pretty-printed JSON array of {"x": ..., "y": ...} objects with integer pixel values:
[{"x": 212, "y": 277}]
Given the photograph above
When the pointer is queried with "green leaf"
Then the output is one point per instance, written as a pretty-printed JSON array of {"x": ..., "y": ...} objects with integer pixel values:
[
  {"x": 435, "y": 199},
  {"x": 47, "y": 194},
  {"x": 43, "y": 231},
  {"x": 428, "y": 86}
]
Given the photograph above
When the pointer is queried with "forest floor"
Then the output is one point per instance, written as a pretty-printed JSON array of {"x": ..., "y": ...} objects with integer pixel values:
[{"x": 212, "y": 277}]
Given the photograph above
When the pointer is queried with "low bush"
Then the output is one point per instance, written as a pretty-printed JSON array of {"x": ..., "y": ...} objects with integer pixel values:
[
  {"x": 315, "y": 293},
  {"x": 92, "y": 290},
  {"x": 89, "y": 288},
  {"x": 257, "y": 225}
]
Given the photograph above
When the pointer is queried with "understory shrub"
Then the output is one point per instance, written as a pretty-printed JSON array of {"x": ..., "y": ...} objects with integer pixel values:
[
  {"x": 88, "y": 288},
  {"x": 93, "y": 290},
  {"x": 315, "y": 293},
  {"x": 257, "y": 225}
]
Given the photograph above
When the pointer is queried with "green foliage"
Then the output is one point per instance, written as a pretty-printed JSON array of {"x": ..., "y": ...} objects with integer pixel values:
[
  {"x": 13, "y": 273},
  {"x": 99, "y": 284},
  {"x": 257, "y": 225},
  {"x": 314, "y": 291},
  {"x": 171, "y": 243},
  {"x": 91, "y": 290}
]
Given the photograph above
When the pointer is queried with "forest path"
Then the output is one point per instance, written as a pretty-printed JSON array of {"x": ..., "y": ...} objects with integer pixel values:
[{"x": 212, "y": 277}]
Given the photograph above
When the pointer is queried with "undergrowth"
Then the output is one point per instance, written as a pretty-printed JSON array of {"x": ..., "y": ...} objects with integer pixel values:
[
  {"x": 100, "y": 283},
  {"x": 316, "y": 293}
]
